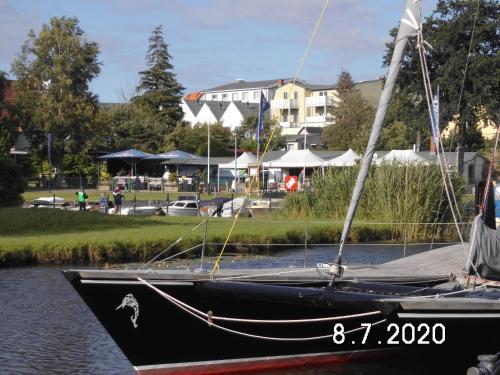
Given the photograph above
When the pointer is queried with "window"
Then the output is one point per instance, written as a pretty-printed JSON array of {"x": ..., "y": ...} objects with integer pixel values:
[
  {"x": 191, "y": 205},
  {"x": 295, "y": 95},
  {"x": 255, "y": 95},
  {"x": 235, "y": 96},
  {"x": 224, "y": 96},
  {"x": 214, "y": 96},
  {"x": 322, "y": 93},
  {"x": 244, "y": 96},
  {"x": 285, "y": 95}
]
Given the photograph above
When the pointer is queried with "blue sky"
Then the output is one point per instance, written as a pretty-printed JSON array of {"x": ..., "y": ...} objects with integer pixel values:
[{"x": 213, "y": 42}]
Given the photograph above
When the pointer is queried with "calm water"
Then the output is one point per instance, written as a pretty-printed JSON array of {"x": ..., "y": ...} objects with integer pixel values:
[{"x": 45, "y": 328}]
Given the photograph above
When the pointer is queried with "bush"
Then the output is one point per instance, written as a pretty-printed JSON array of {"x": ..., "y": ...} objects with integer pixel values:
[{"x": 11, "y": 183}]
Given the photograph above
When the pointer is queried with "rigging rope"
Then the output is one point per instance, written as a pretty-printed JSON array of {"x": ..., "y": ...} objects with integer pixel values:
[
  {"x": 428, "y": 94},
  {"x": 209, "y": 318},
  {"x": 276, "y": 126},
  {"x": 173, "y": 244}
]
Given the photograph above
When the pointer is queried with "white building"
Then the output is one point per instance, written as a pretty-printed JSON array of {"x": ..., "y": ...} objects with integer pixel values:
[
  {"x": 243, "y": 91},
  {"x": 230, "y": 114}
]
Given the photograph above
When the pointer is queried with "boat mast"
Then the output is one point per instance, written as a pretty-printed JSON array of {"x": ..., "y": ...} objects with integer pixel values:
[{"x": 408, "y": 27}]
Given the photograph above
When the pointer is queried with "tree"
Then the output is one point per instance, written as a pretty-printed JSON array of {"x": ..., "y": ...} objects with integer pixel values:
[
  {"x": 131, "y": 126},
  {"x": 160, "y": 93},
  {"x": 195, "y": 139},
  {"x": 353, "y": 118},
  {"x": 449, "y": 31},
  {"x": 395, "y": 137},
  {"x": 7, "y": 122},
  {"x": 11, "y": 182},
  {"x": 345, "y": 84},
  {"x": 247, "y": 132},
  {"x": 53, "y": 70}
]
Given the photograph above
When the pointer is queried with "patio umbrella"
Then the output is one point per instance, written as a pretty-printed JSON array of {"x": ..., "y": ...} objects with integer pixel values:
[
  {"x": 131, "y": 157},
  {"x": 176, "y": 157}
]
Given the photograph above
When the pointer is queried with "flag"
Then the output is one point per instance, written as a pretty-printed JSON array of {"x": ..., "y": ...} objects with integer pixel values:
[
  {"x": 435, "y": 117},
  {"x": 263, "y": 107}
]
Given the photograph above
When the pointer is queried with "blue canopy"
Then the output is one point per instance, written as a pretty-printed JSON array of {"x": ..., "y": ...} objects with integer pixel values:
[
  {"x": 131, "y": 157},
  {"x": 175, "y": 155},
  {"x": 127, "y": 154}
]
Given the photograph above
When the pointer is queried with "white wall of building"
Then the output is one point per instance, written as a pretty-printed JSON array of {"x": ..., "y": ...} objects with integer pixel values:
[
  {"x": 205, "y": 116},
  {"x": 245, "y": 95},
  {"x": 188, "y": 115},
  {"x": 232, "y": 117}
]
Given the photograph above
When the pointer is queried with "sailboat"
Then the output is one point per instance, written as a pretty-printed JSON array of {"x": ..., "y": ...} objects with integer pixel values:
[{"x": 231, "y": 321}]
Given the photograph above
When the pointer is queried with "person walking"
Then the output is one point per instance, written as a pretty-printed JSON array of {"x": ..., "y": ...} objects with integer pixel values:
[
  {"x": 117, "y": 198},
  {"x": 82, "y": 200}
]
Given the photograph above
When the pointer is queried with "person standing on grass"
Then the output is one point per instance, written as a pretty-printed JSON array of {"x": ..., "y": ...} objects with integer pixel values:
[
  {"x": 117, "y": 197},
  {"x": 82, "y": 197},
  {"x": 103, "y": 204}
]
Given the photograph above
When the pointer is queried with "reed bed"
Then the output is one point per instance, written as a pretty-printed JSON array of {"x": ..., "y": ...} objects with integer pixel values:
[{"x": 408, "y": 196}]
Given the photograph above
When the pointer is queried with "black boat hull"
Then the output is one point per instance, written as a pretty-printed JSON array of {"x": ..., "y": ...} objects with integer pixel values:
[{"x": 161, "y": 337}]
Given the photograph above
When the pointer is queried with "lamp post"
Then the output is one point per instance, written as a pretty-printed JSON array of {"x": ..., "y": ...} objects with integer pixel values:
[
  {"x": 235, "y": 161},
  {"x": 208, "y": 159},
  {"x": 49, "y": 142}
]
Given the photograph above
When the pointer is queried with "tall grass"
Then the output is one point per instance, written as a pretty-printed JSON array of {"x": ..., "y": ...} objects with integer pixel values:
[{"x": 401, "y": 193}]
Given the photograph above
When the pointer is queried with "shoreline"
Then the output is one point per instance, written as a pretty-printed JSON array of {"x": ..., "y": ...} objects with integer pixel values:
[{"x": 51, "y": 236}]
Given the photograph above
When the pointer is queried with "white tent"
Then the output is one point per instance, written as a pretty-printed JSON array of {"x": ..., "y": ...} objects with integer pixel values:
[
  {"x": 241, "y": 162},
  {"x": 402, "y": 157},
  {"x": 296, "y": 159},
  {"x": 347, "y": 159}
]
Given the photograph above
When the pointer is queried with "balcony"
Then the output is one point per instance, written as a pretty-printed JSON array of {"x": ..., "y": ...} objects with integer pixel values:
[
  {"x": 320, "y": 101},
  {"x": 320, "y": 119},
  {"x": 289, "y": 124},
  {"x": 284, "y": 103}
]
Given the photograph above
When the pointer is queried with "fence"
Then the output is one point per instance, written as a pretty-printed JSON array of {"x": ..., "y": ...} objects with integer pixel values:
[{"x": 47, "y": 182}]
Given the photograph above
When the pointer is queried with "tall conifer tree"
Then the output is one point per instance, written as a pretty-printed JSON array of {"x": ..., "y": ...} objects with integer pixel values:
[{"x": 159, "y": 91}]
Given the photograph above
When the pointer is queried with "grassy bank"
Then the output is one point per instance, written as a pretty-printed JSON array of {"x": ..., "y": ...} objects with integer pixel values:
[{"x": 42, "y": 236}]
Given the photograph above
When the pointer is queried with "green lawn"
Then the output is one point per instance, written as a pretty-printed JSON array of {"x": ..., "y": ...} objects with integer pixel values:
[{"x": 59, "y": 236}]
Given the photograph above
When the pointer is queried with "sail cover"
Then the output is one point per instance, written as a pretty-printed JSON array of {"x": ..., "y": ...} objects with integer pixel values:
[{"x": 485, "y": 250}]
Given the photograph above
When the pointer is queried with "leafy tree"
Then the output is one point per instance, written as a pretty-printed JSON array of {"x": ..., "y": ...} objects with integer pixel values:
[
  {"x": 247, "y": 132},
  {"x": 449, "y": 31},
  {"x": 395, "y": 137},
  {"x": 11, "y": 182},
  {"x": 194, "y": 139},
  {"x": 53, "y": 70},
  {"x": 160, "y": 93},
  {"x": 131, "y": 126},
  {"x": 7, "y": 123}
]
